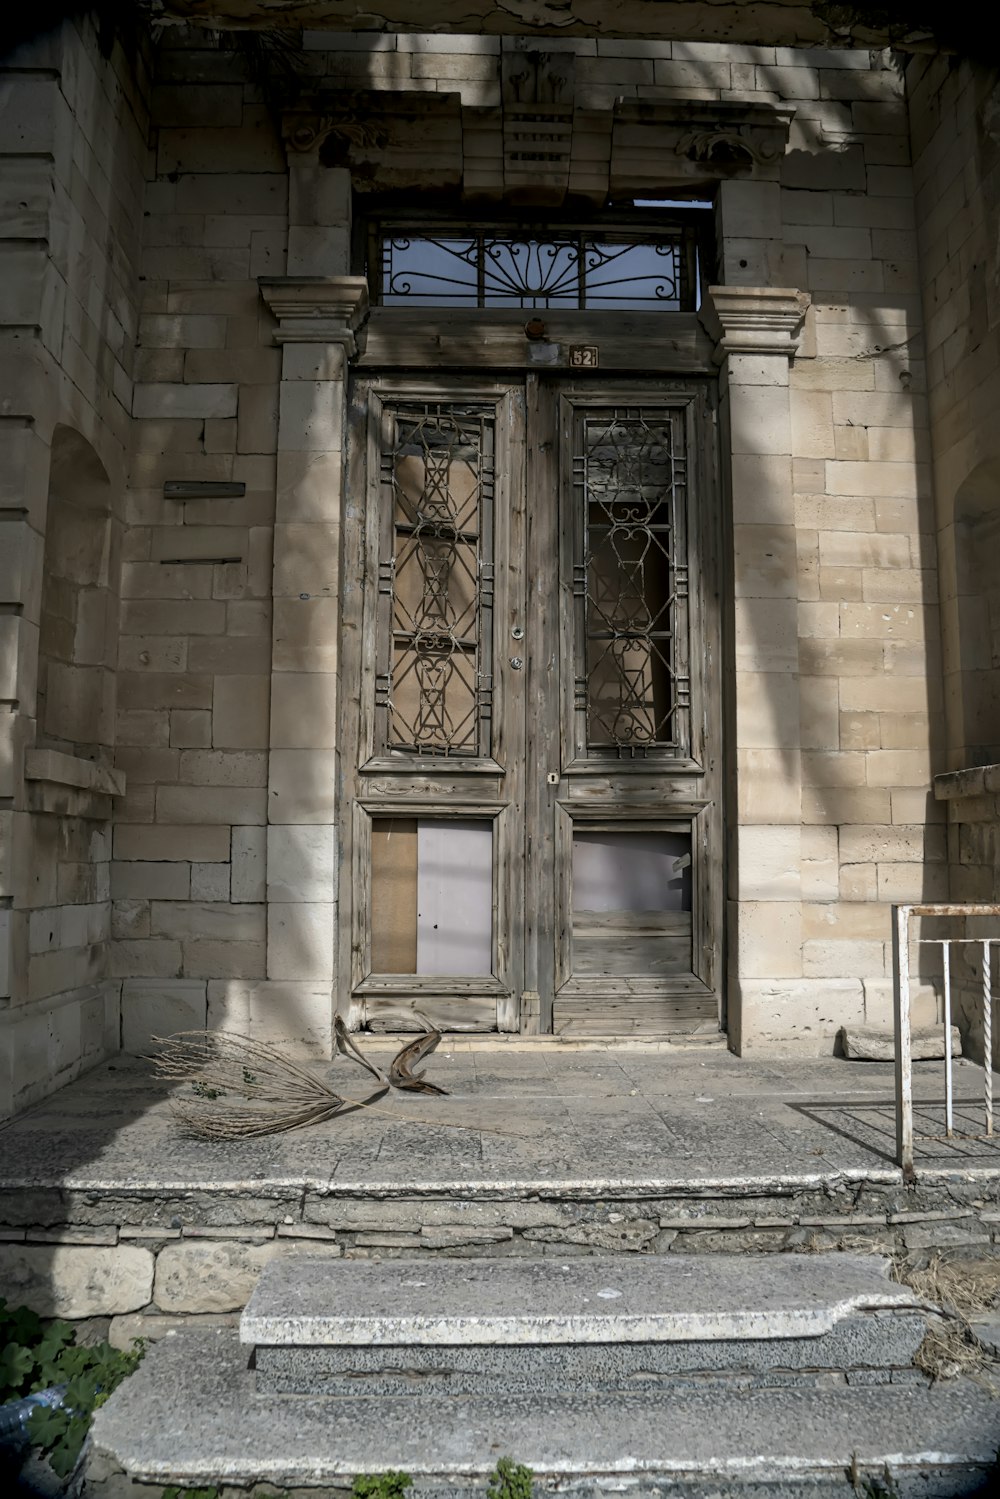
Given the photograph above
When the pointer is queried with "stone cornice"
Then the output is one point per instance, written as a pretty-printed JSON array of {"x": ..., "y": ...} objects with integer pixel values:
[
  {"x": 755, "y": 319},
  {"x": 318, "y": 309}
]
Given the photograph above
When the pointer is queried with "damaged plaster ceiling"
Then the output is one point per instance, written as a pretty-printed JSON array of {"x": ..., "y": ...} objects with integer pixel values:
[{"x": 917, "y": 24}]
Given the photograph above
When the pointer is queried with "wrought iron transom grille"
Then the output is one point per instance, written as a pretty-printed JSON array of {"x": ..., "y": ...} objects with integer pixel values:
[
  {"x": 433, "y": 687},
  {"x": 567, "y": 268},
  {"x": 631, "y": 582}
]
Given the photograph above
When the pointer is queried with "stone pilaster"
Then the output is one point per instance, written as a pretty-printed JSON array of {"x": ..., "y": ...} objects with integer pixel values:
[
  {"x": 757, "y": 332},
  {"x": 318, "y": 324}
]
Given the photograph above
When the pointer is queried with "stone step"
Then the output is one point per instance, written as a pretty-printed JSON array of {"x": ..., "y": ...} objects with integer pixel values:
[
  {"x": 191, "y": 1415},
  {"x": 378, "y": 1328}
]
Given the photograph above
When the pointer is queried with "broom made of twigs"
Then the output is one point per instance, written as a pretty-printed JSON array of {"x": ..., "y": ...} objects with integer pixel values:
[{"x": 238, "y": 1087}]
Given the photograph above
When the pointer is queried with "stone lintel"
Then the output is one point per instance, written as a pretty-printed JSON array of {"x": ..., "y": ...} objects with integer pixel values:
[
  {"x": 755, "y": 319},
  {"x": 318, "y": 309}
]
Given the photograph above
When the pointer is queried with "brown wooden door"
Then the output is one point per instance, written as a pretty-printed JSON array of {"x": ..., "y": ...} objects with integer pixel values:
[{"x": 532, "y": 768}]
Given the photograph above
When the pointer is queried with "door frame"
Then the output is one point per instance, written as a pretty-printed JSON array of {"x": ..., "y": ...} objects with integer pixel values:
[{"x": 452, "y": 357}]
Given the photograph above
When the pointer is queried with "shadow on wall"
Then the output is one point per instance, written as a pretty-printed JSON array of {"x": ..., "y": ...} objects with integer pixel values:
[
  {"x": 977, "y": 587},
  {"x": 79, "y": 624}
]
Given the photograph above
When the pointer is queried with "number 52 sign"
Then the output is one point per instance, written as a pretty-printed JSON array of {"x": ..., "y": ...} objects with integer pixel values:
[{"x": 583, "y": 357}]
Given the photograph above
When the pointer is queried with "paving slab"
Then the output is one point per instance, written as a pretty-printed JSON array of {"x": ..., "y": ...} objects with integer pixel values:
[
  {"x": 190, "y": 1415},
  {"x": 598, "y": 1299},
  {"x": 640, "y": 1118}
]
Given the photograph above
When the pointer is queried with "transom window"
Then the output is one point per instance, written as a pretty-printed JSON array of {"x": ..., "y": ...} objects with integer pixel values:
[{"x": 566, "y": 267}]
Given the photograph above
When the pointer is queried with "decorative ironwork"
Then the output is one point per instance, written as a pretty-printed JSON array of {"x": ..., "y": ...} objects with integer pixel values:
[
  {"x": 631, "y": 581},
  {"x": 570, "y": 269},
  {"x": 434, "y": 685}
]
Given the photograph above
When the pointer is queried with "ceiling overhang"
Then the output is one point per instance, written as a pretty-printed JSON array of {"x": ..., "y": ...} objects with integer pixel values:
[{"x": 785, "y": 23}]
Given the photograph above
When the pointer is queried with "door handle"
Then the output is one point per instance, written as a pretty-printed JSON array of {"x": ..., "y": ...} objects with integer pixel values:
[{"x": 516, "y": 663}]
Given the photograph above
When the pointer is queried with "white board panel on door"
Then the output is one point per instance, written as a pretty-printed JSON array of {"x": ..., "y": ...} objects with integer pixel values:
[{"x": 454, "y": 897}]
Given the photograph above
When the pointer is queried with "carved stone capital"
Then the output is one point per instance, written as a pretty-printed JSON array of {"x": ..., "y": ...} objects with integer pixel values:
[
  {"x": 754, "y": 319},
  {"x": 318, "y": 309}
]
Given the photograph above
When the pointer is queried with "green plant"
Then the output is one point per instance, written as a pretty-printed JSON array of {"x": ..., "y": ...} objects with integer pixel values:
[
  {"x": 37, "y": 1355},
  {"x": 510, "y": 1480},
  {"x": 387, "y": 1485}
]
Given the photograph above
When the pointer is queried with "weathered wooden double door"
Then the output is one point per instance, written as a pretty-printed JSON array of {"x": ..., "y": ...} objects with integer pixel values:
[{"x": 531, "y": 753}]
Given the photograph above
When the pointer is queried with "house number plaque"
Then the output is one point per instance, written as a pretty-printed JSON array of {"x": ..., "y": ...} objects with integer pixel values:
[{"x": 583, "y": 357}]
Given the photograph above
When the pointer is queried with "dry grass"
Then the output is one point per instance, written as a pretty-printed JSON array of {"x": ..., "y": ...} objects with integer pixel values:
[{"x": 959, "y": 1291}]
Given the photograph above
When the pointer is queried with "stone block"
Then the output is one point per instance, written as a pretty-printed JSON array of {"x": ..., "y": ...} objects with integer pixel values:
[
  {"x": 301, "y": 863},
  {"x": 248, "y": 864},
  {"x": 768, "y": 863},
  {"x": 768, "y": 786},
  {"x": 68, "y": 1280},
  {"x": 311, "y": 415},
  {"x": 208, "y": 919},
  {"x": 158, "y": 401},
  {"x": 866, "y": 1044},
  {"x": 208, "y": 844},
  {"x": 315, "y": 250},
  {"x": 768, "y": 939},
  {"x": 765, "y": 561},
  {"x": 305, "y": 635},
  {"x": 300, "y": 940},
  {"x": 306, "y": 560},
  {"x": 309, "y": 485},
  {"x": 210, "y": 882},
  {"x": 215, "y": 959},
  {"x": 207, "y": 804},
  {"x": 160, "y": 1007},
  {"x": 257, "y": 426},
  {"x": 244, "y": 768},
  {"x": 240, "y": 712},
  {"x": 767, "y": 710},
  {"x": 302, "y": 786},
  {"x": 303, "y": 710},
  {"x": 138, "y": 880}
]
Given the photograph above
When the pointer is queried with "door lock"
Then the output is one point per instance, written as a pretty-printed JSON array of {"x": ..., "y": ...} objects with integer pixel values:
[
  {"x": 553, "y": 778},
  {"x": 516, "y": 633},
  {"x": 516, "y": 663}
]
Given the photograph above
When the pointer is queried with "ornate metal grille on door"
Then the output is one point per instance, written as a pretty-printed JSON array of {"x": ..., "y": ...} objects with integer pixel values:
[
  {"x": 631, "y": 582},
  {"x": 433, "y": 689}
]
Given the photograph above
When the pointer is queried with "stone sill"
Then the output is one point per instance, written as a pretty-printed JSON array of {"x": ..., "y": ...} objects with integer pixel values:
[
  {"x": 978, "y": 780},
  {"x": 69, "y": 786}
]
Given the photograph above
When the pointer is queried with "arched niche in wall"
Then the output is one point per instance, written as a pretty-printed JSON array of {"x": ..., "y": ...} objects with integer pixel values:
[
  {"x": 76, "y": 689},
  {"x": 977, "y": 582}
]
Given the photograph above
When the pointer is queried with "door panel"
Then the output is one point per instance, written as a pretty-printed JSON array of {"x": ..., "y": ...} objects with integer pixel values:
[{"x": 531, "y": 630}]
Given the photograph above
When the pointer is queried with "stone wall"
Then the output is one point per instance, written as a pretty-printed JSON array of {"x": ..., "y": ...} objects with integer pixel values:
[
  {"x": 72, "y": 141},
  {"x": 223, "y": 874},
  {"x": 955, "y": 125},
  {"x": 196, "y": 1253}
]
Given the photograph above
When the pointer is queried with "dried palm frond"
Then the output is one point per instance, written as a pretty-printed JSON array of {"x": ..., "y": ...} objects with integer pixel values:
[
  {"x": 349, "y": 1049},
  {"x": 239, "y": 1087},
  {"x": 236, "y": 1088},
  {"x": 400, "y": 1073}
]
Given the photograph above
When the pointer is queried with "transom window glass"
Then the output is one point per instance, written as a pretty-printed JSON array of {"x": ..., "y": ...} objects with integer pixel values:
[{"x": 568, "y": 268}]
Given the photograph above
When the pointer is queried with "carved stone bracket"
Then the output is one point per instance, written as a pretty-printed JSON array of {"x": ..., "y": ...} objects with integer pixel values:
[
  {"x": 318, "y": 309},
  {"x": 754, "y": 319},
  {"x": 541, "y": 144}
]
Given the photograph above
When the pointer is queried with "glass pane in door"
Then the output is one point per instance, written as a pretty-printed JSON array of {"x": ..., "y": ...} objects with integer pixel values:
[
  {"x": 631, "y": 902},
  {"x": 432, "y": 896}
]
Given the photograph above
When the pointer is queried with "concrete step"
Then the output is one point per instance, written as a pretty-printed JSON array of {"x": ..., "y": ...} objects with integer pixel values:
[
  {"x": 367, "y": 1327},
  {"x": 191, "y": 1415}
]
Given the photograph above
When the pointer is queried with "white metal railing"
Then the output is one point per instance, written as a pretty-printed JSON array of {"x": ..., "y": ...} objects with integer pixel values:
[{"x": 901, "y": 939}]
